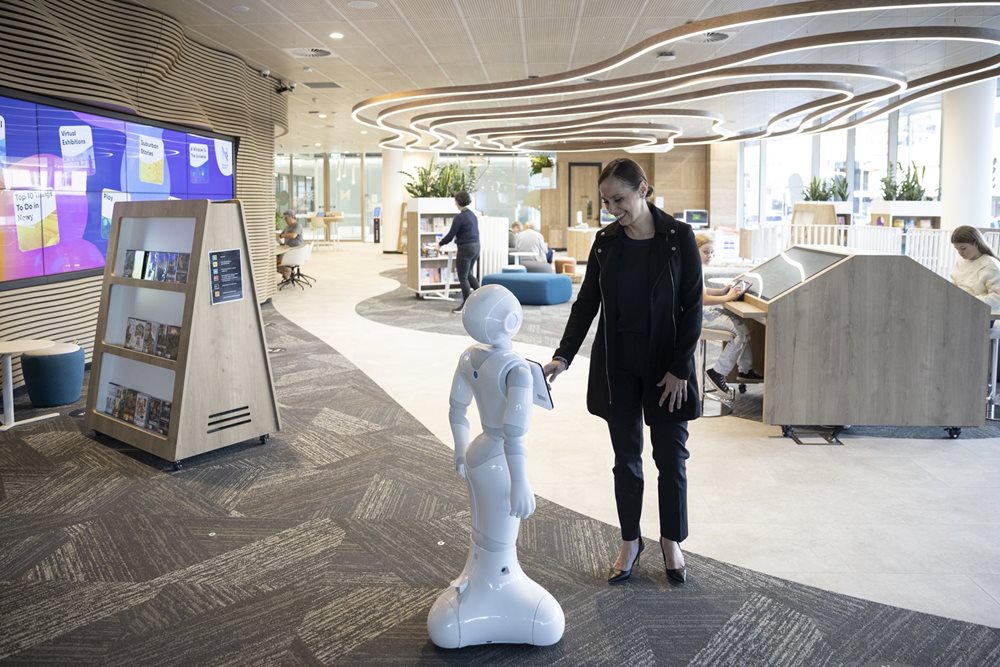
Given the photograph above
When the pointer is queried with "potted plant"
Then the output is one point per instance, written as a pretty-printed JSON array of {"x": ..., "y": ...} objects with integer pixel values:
[
  {"x": 817, "y": 191},
  {"x": 905, "y": 199},
  {"x": 539, "y": 162},
  {"x": 839, "y": 189}
]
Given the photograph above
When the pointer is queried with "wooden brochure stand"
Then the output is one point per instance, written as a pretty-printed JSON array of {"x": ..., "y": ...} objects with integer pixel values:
[{"x": 203, "y": 381}]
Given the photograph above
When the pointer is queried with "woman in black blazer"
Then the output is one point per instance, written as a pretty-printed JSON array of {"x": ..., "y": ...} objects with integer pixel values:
[{"x": 644, "y": 278}]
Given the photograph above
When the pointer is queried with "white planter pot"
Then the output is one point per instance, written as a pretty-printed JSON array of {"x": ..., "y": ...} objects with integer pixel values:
[{"x": 440, "y": 205}]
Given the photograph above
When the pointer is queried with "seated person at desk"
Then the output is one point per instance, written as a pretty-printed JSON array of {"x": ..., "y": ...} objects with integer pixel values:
[
  {"x": 515, "y": 229},
  {"x": 978, "y": 269},
  {"x": 532, "y": 241},
  {"x": 290, "y": 236},
  {"x": 716, "y": 317}
]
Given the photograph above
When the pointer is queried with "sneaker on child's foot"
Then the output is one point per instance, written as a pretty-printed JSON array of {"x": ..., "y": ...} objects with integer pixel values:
[
  {"x": 718, "y": 380},
  {"x": 750, "y": 376},
  {"x": 457, "y": 310}
]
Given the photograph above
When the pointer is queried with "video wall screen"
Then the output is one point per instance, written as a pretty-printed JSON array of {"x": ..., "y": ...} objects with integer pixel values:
[{"x": 61, "y": 172}]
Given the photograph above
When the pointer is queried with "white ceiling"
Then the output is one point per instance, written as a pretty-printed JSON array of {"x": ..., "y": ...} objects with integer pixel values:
[{"x": 409, "y": 44}]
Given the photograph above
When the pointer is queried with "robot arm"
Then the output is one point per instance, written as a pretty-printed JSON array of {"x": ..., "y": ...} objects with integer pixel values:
[
  {"x": 458, "y": 402},
  {"x": 517, "y": 417}
]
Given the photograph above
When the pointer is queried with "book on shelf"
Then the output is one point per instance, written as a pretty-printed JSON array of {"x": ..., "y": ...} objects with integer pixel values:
[
  {"x": 141, "y": 407},
  {"x": 152, "y": 257},
  {"x": 153, "y": 413},
  {"x": 164, "y": 423},
  {"x": 113, "y": 398},
  {"x": 128, "y": 405},
  {"x": 141, "y": 335},
  {"x": 183, "y": 264},
  {"x": 129, "y": 263},
  {"x": 167, "y": 340}
]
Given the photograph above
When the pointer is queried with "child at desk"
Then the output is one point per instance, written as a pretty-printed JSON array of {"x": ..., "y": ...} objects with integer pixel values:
[{"x": 715, "y": 317}]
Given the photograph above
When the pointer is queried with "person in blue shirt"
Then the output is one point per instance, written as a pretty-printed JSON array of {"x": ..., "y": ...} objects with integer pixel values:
[{"x": 465, "y": 232}]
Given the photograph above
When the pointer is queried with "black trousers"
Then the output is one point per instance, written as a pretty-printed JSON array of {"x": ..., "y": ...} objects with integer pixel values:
[
  {"x": 465, "y": 262},
  {"x": 669, "y": 447}
]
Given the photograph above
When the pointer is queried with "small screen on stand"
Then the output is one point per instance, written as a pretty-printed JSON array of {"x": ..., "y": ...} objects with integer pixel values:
[{"x": 696, "y": 218}]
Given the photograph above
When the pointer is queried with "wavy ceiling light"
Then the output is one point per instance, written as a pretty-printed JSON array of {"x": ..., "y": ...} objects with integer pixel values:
[{"x": 601, "y": 115}]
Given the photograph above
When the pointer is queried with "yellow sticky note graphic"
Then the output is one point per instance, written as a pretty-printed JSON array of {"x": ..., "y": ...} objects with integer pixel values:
[
  {"x": 151, "y": 160},
  {"x": 36, "y": 219}
]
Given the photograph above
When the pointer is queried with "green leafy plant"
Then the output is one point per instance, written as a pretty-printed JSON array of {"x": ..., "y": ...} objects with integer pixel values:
[
  {"x": 539, "y": 162},
  {"x": 817, "y": 191},
  {"x": 423, "y": 183},
  {"x": 442, "y": 180},
  {"x": 889, "y": 185},
  {"x": 910, "y": 188},
  {"x": 839, "y": 190}
]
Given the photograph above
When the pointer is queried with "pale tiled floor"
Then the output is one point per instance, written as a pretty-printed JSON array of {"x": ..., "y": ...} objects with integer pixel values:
[{"x": 912, "y": 523}]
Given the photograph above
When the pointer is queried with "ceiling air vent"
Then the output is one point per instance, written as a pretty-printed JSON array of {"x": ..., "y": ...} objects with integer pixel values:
[
  {"x": 708, "y": 37},
  {"x": 321, "y": 84},
  {"x": 309, "y": 52}
]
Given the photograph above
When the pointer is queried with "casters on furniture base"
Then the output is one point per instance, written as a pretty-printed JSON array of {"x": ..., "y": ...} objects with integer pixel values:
[
  {"x": 264, "y": 438},
  {"x": 954, "y": 432},
  {"x": 178, "y": 465}
]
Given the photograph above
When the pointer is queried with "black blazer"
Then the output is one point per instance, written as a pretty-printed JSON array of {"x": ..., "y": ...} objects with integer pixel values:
[{"x": 675, "y": 294}]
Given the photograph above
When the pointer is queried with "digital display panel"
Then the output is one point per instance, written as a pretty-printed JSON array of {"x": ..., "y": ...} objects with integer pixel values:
[
  {"x": 62, "y": 171},
  {"x": 784, "y": 271}
]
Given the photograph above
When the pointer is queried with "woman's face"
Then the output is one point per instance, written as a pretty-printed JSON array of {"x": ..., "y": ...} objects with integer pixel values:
[
  {"x": 967, "y": 250},
  {"x": 622, "y": 200},
  {"x": 707, "y": 252}
]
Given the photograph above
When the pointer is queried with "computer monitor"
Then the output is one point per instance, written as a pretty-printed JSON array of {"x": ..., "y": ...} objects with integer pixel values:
[
  {"x": 696, "y": 217},
  {"x": 786, "y": 270}
]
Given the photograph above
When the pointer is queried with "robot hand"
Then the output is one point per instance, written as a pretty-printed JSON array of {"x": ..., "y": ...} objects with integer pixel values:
[
  {"x": 460, "y": 464},
  {"x": 522, "y": 499}
]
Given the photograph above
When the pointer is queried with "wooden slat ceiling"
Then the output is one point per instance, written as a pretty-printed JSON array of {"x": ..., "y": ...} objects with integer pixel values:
[{"x": 403, "y": 45}]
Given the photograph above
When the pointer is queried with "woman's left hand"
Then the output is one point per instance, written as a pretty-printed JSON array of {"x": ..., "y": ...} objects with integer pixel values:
[{"x": 674, "y": 391}]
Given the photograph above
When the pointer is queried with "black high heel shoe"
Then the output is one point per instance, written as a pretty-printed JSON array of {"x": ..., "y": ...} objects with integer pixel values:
[
  {"x": 678, "y": 576},
  {"x": 617, "y": 575}
]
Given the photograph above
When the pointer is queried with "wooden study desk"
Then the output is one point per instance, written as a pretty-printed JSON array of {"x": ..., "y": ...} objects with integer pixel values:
[{"x": 857, "y": 339}]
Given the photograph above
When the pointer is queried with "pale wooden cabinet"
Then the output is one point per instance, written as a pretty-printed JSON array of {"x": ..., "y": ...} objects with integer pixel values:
[{"x": 212, "y": 374}]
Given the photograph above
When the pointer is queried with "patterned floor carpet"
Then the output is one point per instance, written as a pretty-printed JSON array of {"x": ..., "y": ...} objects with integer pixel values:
[{"x": 328, "y": 544}]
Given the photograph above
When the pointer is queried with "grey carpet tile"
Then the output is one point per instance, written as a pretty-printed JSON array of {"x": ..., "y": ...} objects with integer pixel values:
[{"x": 328, "y": 545}]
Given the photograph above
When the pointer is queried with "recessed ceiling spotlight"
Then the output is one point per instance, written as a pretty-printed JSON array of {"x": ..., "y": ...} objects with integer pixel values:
[
  {"x": 336, "y": 35},
  {"x": 666, "y": 56},
  {"x": 364, "y": 131},
  {"x": 308, "y": 69},
  {"x": 240, "y": 8},
  {"x": 362, "y": 4},
  {"x": 322, "y": 115},
  {"x": 317, "y": 144}
]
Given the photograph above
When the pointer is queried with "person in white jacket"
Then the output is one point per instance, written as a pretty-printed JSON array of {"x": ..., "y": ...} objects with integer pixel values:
[
  {"x": 531, "y": 240},
  {"x": 978, "y": 269}
]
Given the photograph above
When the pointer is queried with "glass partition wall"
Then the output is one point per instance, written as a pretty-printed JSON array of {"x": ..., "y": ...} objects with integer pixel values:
[{"x": 775, "y": 171}]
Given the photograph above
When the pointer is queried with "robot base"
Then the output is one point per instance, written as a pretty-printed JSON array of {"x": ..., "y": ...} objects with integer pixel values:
[{"x": 494, "y": 602}]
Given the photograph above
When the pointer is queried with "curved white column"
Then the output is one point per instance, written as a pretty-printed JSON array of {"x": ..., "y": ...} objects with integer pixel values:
[{"x": 967, "y": 155}]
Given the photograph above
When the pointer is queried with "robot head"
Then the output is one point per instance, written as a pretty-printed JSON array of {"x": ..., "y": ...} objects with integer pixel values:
[{"x": 492, "y": 314}]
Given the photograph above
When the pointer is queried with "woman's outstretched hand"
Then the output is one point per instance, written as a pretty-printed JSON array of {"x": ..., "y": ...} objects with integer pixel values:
[
  {"x": 675, "y": 391},
  {"x": 553, "y": 369}
]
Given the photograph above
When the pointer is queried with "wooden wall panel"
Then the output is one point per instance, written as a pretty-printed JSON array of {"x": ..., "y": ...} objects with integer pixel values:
[
  {"x": 681, "y": 178},
  {"x": 723, "y": 184},
  {"x": 128, "y": 58}
]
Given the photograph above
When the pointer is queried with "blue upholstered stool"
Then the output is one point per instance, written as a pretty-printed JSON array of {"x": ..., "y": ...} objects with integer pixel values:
[
  {"x": 53, "y": 375},
  {"x": 534, "y": 289},
  {"x": 517, "y": 268}
]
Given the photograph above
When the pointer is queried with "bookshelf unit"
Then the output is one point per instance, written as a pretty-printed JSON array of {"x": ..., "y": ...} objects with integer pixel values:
[
  {"x": 428, "y": 273},
  {"x": 906, "y": 214},
  {"x": 212, "y": 373}
]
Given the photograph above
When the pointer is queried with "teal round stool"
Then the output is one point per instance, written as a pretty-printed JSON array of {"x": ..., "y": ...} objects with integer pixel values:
[{"x": 53, "y": 375}]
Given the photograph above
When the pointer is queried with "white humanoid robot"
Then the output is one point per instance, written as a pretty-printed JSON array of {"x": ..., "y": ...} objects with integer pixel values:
[{"x": 493, "y": 600}]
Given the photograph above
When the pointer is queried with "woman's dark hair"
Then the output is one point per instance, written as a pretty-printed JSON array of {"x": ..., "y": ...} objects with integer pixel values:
[
  {"x": 463, "y": 198},
  {"x": 626, "y": 171},
  {"x": 972, "y": 236}
]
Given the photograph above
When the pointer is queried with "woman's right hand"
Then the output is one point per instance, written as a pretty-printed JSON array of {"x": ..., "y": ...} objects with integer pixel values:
[
  {"x": 553, "y": 368},
  {"x": 734, "y": 293}
]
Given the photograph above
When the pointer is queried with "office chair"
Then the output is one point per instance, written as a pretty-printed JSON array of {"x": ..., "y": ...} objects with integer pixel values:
[{"x": 294, "y": 259}]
